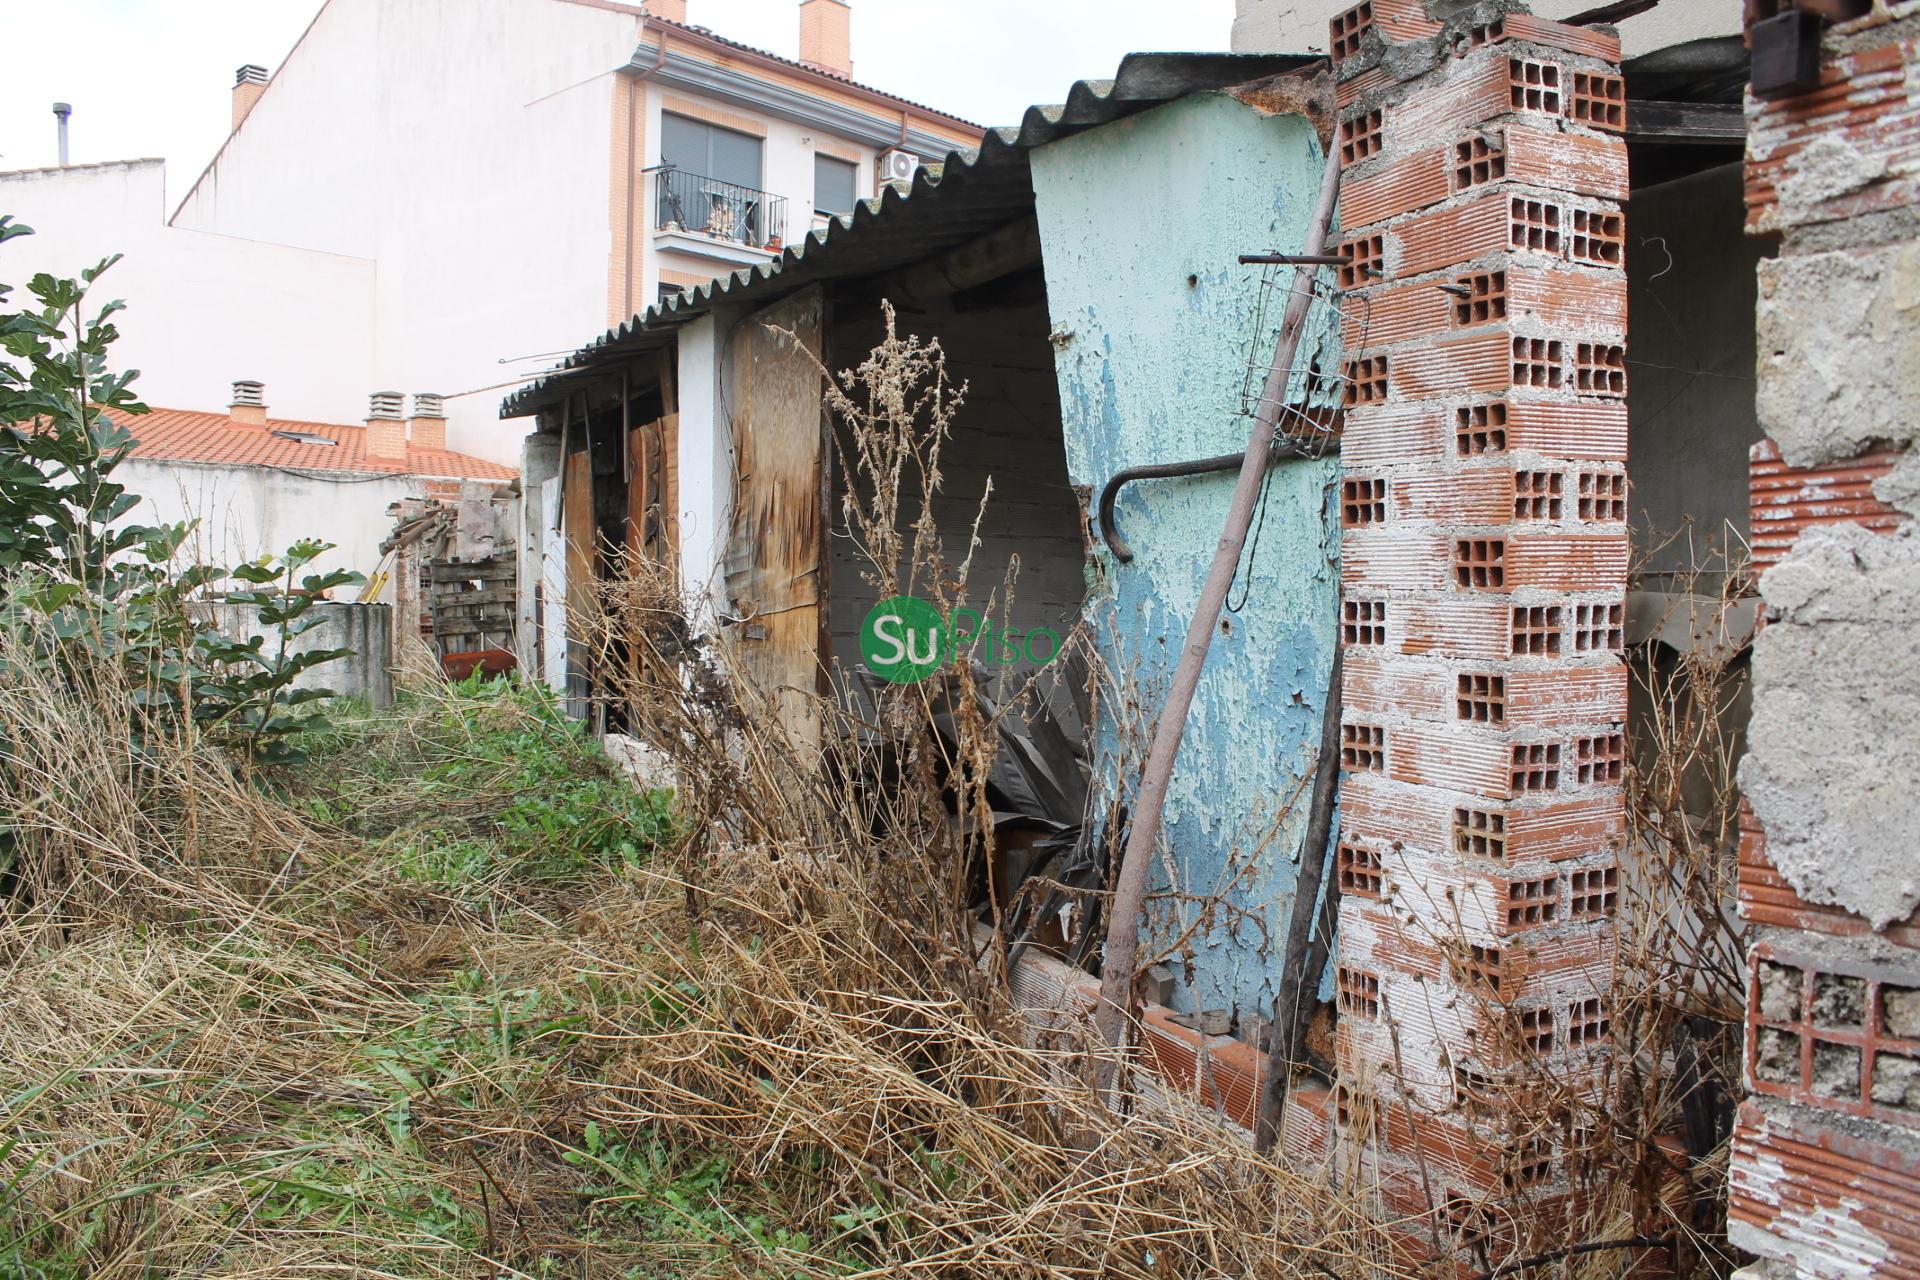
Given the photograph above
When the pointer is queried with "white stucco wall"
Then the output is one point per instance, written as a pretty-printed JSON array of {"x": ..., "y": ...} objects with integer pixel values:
[
  {"x": 203, "y": 310},
  {"x": 246, "y": 512},
  {"x": 466, "y": 147},
  {"x": 1301, "y": 25},
  {"x": 706, "y": 458}
]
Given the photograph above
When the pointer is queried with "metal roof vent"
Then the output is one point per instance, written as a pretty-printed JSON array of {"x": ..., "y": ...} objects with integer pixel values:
[
  {"x": 250, "y": 74},
  {"x": 386, "y": 404},
  {"x": 428, "y": 405},
  {"x": 248, "y": 392}
]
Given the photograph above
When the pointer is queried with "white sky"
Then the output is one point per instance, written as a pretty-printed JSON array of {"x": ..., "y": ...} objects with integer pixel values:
[{"x": 153, "y": 77}]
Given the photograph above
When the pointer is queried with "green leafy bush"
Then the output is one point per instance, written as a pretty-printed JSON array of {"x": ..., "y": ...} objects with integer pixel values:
[{"x": 102, "y": 598}]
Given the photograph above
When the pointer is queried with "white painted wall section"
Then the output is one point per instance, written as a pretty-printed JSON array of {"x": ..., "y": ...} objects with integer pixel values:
[
  {"x": 203, "y": 310},
  {"x": 466, "y": 147},
  {"x": 246, "y": 512},
  {"x": 706, "y": 462}
]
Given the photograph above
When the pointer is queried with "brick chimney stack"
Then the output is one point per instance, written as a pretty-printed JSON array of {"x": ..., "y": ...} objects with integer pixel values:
[
  {"x": 248, "y": 408},
  {"x": 826, "y": 36},
  {"x": 427, "y": 428},
  {"x": 671, "y": 10},
  {"x": 386, "y": 427},
  {"x": 249, "y": 82}
]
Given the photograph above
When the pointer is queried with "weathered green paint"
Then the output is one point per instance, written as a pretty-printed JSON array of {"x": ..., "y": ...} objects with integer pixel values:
[{"x": 1142, "y": 222}]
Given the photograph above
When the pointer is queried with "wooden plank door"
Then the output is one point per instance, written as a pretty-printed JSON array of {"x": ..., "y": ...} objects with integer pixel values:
[{"x": 775, "y": 564}]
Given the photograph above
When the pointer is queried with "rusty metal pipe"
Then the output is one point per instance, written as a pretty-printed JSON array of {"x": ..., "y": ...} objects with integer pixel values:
[{"x": 1111, "y": 1015}]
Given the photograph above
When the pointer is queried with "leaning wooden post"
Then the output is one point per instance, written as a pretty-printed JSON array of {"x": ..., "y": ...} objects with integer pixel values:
[
  {"x": 1299, "y": 970},
  {"x": 1130, "y": 889}
]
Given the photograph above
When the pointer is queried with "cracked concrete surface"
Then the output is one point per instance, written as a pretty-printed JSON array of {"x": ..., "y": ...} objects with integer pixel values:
[
  {"x": 1836, "y": 720},
  {"x": 1839, "y": 367}
]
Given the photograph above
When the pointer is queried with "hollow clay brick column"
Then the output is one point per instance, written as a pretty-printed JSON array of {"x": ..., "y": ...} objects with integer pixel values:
[
  {"x": 1484, "y": 560},
  {"x": 1825, "y": 1175}
]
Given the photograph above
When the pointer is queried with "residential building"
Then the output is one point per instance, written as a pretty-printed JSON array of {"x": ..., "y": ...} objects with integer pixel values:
[
  {"x": 444, "y": 195},
  {"x": 258, "y": 483}
]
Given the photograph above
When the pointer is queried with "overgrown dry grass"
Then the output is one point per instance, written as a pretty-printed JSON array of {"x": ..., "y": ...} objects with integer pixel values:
[
  {"x": 459, "y": 999},
  {"x": 456, "y": 1000},
  {"x": 302, "y": 1049}
]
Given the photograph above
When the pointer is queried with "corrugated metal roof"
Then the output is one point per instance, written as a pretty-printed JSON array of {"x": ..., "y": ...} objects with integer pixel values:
[{"x": 976, "y": 192}]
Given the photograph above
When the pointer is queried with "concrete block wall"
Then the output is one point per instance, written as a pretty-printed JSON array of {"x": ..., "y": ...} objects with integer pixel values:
[
  {"x": 1826, "y": 1161},
  {"x": 1484, "y": 563}
]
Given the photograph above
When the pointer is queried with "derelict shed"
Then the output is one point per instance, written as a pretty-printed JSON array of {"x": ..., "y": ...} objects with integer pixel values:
[{"x": 1081, "y": 275}]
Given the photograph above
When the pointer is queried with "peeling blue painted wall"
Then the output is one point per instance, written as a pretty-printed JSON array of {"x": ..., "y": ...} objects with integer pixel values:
[{"x": 1142, "y": 222}]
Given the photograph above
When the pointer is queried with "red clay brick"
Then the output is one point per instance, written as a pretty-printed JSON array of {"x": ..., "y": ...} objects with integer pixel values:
[
  {"x": 1580, "y": 432},
  {"x": 1463, "y": 366},
  {"x": 1373, "y": 685},
  {"x": 1824, "y": 1190},
  {"x": 1450, "y": 757},
  {"x": 1391, "y": 560},
  {"x": 1387, "y": 316},
  {"x": 1482, "y": 495},
  {"x": 1582, "y": 163},
  {"x": 1570, "y": 299},
  {"x": 1476, "y": 91},
  {"x": 1572, "y": 695},
  {"x": 1567, "y": 829},
  {"x": 1766, "y": 897},
  {"x": 1455, "y": 628},
  {"x": 1363, "y": 86},
  {"x": 1787, "y": 501},
  {"x": 1566, "y": 562},
  {"x": 1585, "y": 41},
  {"x": 1448, "y": 237},
  {"x": 1598, "y": 100},
  {"x": 1373, "y": 807},
  {"x": 1405, "y": 184},
  {"x": 1377, "y": 435}
]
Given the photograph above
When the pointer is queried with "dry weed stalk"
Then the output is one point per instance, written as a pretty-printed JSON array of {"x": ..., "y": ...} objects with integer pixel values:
[{"x": 236, "y": 1041}]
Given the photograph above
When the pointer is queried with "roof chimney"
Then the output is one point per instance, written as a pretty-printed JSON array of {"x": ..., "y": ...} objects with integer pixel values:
[
  {"x": 249, "y": 82},
  {"x": 427, "y": 428},
  {"x": 671, "y": 10},
  {"x": 386, "y": 428},
  {"x": 826, "y": 40},
  {"x": 62, "y": 110},
  {"x": 248, "y": 408}
]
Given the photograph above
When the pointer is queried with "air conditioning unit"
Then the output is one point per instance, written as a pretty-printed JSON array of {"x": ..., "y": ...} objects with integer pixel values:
[{"x": 895, "y": 169}]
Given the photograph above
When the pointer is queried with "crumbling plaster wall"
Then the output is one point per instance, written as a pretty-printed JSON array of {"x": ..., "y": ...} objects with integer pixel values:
[
  {"x": 1838, "y": 665},
  {"x": 1153, "y": 322},
  {"x": 1825, "y": 1177}
]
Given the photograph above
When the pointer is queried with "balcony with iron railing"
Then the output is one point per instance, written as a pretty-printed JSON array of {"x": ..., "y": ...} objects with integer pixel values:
[{"x": 714, "y": 219}]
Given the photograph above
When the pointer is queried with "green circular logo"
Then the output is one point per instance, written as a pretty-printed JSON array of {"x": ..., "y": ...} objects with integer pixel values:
[{"x": 904, "y": 640}]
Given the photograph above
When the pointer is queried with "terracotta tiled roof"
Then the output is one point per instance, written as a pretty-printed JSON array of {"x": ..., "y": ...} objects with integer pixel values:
[{"x": 184, "y": 435}]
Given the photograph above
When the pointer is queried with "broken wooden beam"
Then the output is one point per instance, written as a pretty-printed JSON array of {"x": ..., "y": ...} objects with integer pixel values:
[{"x": 1686, "y": 123}]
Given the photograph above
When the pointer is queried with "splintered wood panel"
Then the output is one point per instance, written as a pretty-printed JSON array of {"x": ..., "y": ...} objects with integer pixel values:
[
  {"x": 652, "y": 532},
  {"x": 577, "y": 505},
  {"x": 774, "y": 549}
]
